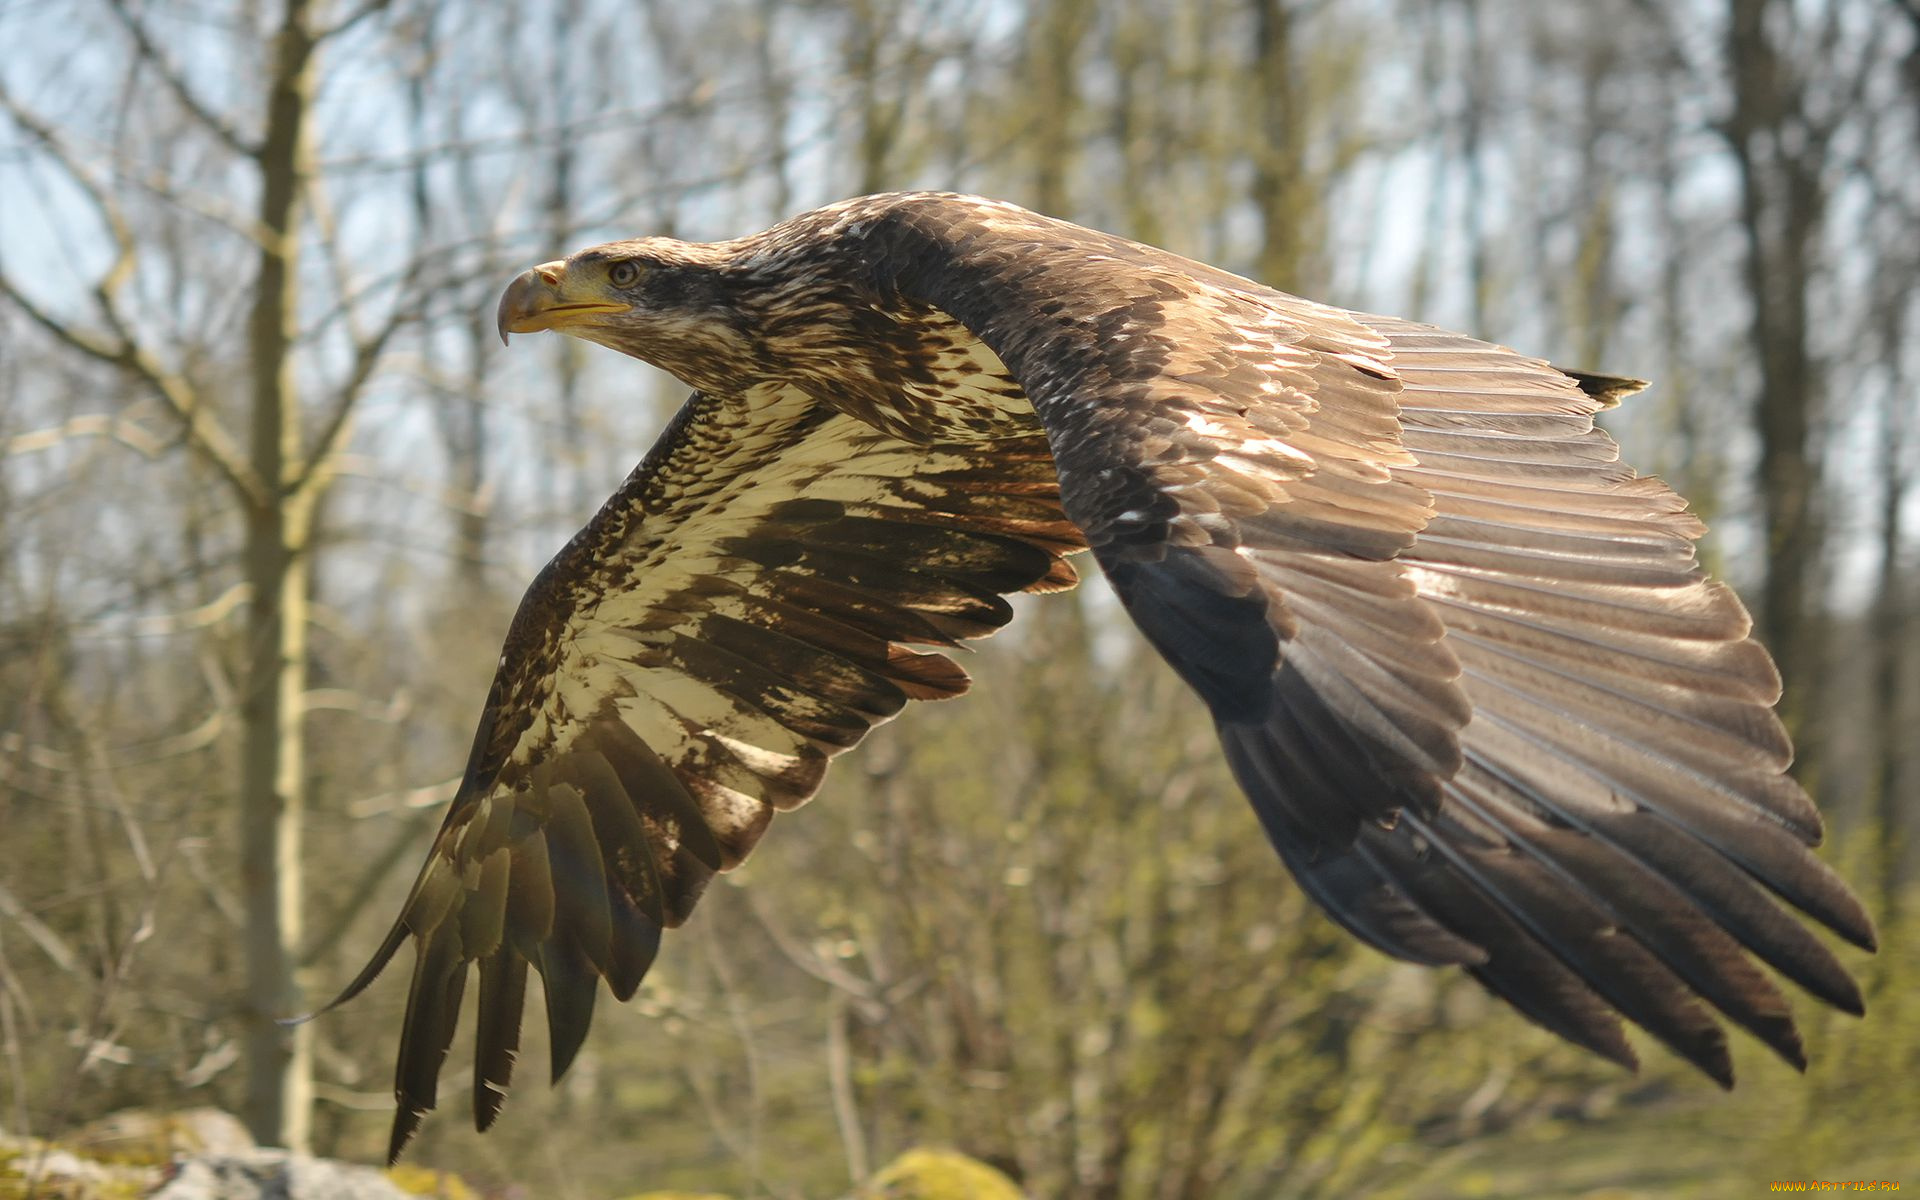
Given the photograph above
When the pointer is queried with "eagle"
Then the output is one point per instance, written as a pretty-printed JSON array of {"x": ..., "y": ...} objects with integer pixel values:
[{"x": 1462, "y": 660}]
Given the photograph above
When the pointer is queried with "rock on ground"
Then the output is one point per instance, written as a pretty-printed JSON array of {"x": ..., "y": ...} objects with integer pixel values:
[{"x": 275, "y": 1175}]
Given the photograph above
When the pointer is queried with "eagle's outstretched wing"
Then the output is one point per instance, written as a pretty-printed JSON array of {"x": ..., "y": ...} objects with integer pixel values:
[
  {"x": 1461, "y": 658},
  {"x": 684, "y": 668}
]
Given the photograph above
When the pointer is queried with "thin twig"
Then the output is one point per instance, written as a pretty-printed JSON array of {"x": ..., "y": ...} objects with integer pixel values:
[
  {"x": 125, "y": 352},
  {"x": 846, "y": 1111},
  {"x": 360, "y": 13},
  {"x": 42, "y": 935},
  {"x": 176, "y": 83},
  {"x": 129, "y": 433}
]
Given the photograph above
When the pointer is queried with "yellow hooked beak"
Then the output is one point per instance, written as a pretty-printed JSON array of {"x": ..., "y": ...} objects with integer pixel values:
[{"x": 542, "y": 298}]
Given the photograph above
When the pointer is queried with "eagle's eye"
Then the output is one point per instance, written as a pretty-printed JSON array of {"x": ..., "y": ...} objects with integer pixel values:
[{"x": 623, "y": 273}]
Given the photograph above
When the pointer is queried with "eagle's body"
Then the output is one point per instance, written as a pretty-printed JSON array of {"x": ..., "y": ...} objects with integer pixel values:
[{"x": 1462, "y": 660}]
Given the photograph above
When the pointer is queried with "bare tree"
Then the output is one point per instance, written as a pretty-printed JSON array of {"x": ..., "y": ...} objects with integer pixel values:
[{"x": 275, "y": 473}]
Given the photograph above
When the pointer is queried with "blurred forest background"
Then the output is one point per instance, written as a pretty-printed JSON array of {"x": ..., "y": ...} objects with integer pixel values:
[{"x": 269, "y": 490}]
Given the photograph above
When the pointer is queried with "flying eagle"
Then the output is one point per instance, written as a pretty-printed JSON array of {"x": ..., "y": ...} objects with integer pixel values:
[{"x": 1461, "y": 659}]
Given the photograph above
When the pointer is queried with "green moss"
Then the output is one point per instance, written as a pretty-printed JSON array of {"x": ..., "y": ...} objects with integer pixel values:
[
  {"x": 30, "y": 1168},
  {"x": 938, "y": 1175},
  {"x": 425, "y": 1181}
]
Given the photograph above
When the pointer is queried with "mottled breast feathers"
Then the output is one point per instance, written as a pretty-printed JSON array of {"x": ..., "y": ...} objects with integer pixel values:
[{"x": 1462, "y": 660}]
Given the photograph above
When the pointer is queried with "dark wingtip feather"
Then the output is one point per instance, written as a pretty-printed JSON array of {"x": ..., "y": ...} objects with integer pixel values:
[
  {"x": 1358, "y": 893},
  {"x": 503, "y": 988},
  {"x": 1563, "y": 1007},
  {"x": 1717, "y": 1064},
  {"x": 1667, "y": 1011},
  {"x": 579, "y": 876},
  {"x": 1867, "y": 935},
  {"x": 406, "y": 1122},
  {"x": 571, "y": 984},
  {"x": 1733, "y": 899},
  {"x": 1521, "y": 970},
  {"x": 1608, "y": 959},
  {"x": 636, "y": 940},
  {"x": 1661, "y": 917},
  {"x": 1797, "y": 876},
  {"x": 433, "y": 1012},
  {"x": 1834, "y": 905},
  {"x": 1776, "y": 1032}
]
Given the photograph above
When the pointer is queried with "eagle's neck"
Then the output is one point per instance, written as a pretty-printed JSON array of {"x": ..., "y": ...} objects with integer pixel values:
[{"x": 820, "y": 319}]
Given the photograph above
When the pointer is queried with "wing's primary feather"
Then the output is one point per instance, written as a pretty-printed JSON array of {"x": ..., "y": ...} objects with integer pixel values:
[{"x": 738, "y": 614}]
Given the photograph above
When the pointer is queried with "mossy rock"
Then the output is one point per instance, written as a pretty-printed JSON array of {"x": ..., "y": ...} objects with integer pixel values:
[
  {"x": 53, "y": 1171},
  {"x": 127, "y": 1155},
  {"x": 425, "y": 1181},
  {"x": 938, "y": 1175},
  {"x": 144, "y": 1138}
]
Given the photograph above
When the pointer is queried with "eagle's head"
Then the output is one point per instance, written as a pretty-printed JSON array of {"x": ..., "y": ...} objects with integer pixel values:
[
  {"x": 678, "y": 305},
  {"x": 804, "y": 304}
]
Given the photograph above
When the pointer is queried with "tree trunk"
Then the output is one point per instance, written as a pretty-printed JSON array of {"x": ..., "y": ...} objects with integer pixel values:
[
  {"x": 1890, "y": 628},
  {"x": 1282, "y": 188},
  {"x": 879, "y": 113},
  {"x": 1056, "y": 32},
  {"x": 1890, "y": 649},
  {"x": 279, "y": 1060},
  {"x": 1778, "y": 153}
]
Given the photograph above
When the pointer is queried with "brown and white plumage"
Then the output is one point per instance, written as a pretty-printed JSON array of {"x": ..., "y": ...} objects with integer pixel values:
[{"x": 1462, "y": 660}]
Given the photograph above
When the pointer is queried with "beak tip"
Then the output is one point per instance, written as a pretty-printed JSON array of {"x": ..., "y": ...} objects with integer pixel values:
[{"x": 519, "y": 300}]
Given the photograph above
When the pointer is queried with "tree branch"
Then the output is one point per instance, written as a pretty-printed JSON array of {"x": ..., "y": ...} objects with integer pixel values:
[
  {"x": 151, "y": 54},
  {"x": 359, "y": 13},
  {"x": 131, "y": 434},
  {"x": 124, "y": 352},
  {"x": 315, "y": 470},
  {"x": 204, "y": 433},
  {"x": 51, "y": 944}
]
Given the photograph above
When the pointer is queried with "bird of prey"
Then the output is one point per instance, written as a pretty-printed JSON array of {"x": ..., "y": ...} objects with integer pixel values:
[{"x": 1461, "y": 658}]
